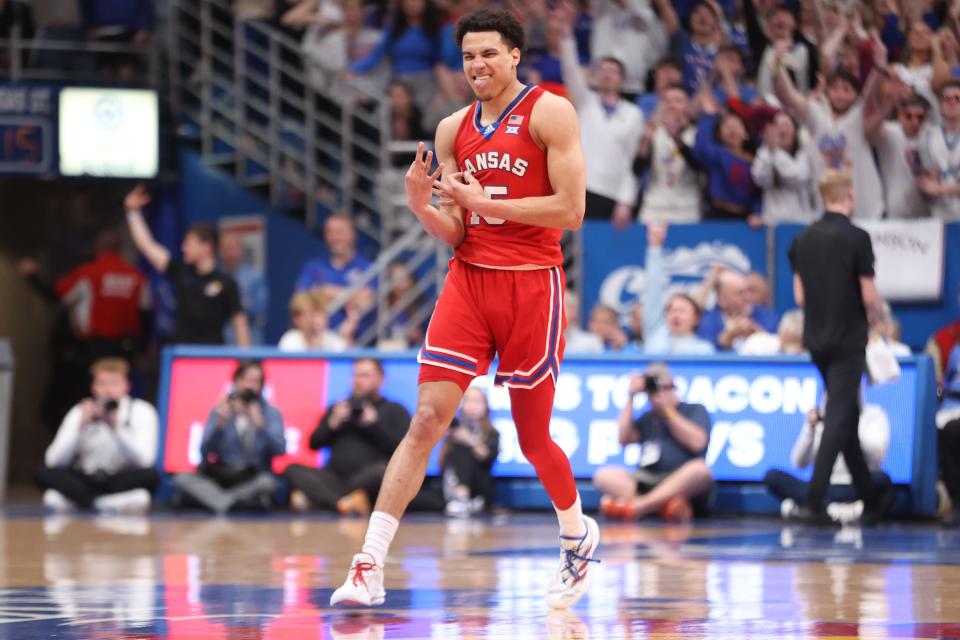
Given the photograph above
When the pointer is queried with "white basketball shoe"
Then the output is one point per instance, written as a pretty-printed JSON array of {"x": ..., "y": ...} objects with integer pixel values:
[
  {"x": 364, "y": 584},
  {"x": 573, "y": 577}
]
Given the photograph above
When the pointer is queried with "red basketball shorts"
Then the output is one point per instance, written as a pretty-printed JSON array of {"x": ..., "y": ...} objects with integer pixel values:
[{"x": 481, "y": 312}]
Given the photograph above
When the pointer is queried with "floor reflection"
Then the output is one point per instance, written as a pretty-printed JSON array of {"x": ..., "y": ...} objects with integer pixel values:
[{"x": 271, "y": 579}]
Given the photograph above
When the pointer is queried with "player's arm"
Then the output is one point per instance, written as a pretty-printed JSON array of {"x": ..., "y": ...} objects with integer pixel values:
[
  {"x": 561, "y": 210},
  {"x": 443, "y": 222}
]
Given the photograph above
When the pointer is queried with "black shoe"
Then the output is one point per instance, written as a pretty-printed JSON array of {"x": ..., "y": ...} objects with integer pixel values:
[
  {"x": 878, "y": 510},
  {"x": 951, "y": 519},
  {"x": 814, "y": 517}
]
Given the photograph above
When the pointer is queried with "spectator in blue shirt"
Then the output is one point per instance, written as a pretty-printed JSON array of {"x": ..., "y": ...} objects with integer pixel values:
[
  {"x": 724, "y": 148},
  {"x": 252, "y": 283},
  {"x": 243, "y": 435},
  {"x": 412, "y": 43},
  {"x": 334, "y": 273},
  {"x": 697, "y": 47},
  {"x": 734, "y": 319}
]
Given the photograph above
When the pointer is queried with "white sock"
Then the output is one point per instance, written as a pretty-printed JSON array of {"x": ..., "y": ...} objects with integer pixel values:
[
  {"x": 380, "y": 532},
  {"x": 571, "y": 524}
]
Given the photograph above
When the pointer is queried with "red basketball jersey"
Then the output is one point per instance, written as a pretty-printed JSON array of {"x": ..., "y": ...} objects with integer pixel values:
[{"x": 508, "y": 163}]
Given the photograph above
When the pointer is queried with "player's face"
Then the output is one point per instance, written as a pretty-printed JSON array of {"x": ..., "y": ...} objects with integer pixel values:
[
  {"x": 489, "y": 64},
  {"x": 110, "y": 385},
  {"x": 912, "y": 119},
  {"x": 841, "y": 96}
]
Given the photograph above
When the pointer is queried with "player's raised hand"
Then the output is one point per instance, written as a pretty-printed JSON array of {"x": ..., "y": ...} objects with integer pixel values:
[{"x": 419, "y": 180}]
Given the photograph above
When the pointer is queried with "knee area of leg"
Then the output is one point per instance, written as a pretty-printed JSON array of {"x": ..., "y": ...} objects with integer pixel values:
[{"x": 425, "y": 425}]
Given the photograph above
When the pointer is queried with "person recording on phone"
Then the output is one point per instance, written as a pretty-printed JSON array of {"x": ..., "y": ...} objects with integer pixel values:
[
  {"x": 361, "y": 431},
  {"x": 243, "y": 434},
  {"x": 673, "y": 478},
  {"x": 103, "y": 454}
]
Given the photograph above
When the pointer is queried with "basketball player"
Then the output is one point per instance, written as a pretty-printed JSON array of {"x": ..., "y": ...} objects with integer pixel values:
[{"x": 510, "y": 179}]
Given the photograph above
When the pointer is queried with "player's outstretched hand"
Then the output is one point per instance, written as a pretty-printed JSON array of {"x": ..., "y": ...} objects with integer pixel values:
[{"x": 419, "y": 180}]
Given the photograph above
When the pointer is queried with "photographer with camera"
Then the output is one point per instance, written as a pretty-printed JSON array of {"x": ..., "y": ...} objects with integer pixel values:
[
  {"x": 105, "y": 449},
  {"x": 242, "y": 436},
  {"x": 673, "y": 478},
  {"x": 361, "y": 432}
]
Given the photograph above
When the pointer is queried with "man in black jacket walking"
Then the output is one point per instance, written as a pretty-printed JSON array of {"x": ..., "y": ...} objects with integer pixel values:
[
  {"x": 361, "y": 431},
  {"x": 833, "y": 280}
]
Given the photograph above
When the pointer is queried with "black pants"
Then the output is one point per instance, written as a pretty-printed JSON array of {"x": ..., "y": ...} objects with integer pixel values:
[
  {"x": 323, "y": 487},
  {"x": 82, "y": 489},
  {"x": 599, "y": 207},
  {"x": 948, "y": 453},
  {"x": 467, "y": 470},
  {"x": 785, "y": 485},
  {"x": 842, "y": 374}
]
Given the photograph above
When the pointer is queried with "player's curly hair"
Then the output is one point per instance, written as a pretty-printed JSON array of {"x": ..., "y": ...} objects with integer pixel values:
[{"x": 503, "y": 22}]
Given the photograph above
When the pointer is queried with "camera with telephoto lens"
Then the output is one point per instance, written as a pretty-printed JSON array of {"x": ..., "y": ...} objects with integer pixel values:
[
  {"x": 356, "y": 407},
  {"x": 246, "y": 396},
  {"x": 650, "y": 384}
]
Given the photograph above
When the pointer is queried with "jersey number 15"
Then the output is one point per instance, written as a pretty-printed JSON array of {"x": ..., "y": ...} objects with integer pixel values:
[{"x": 494, "y": 192}]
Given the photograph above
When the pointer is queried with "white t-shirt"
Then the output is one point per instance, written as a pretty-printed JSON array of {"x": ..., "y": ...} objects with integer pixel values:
[
  {"x": 673, "y": 193},
  {"x": 294, "y": 340},
  {"x": 609, "y": 137},
  {"x": 787, "y": 184},
  {"x": 900, "y": 164},
  {"x": 940, "y": 152},
  {"x": 843, "y": 145}
]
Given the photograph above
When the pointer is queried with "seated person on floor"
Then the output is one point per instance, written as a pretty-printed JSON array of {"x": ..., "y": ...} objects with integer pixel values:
[
  {"x": 467, "y": 456},
  {"x": 673, "y": 478},
  {"x": 105, "y": 449},
  {"x": 361, "y": 431},
  {"x": 243, "y": 435},
  {"x": 874, "y": 433}
]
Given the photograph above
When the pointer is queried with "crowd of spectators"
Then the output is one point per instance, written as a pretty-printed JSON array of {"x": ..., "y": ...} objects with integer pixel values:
[{"x": 694, "y": 110}]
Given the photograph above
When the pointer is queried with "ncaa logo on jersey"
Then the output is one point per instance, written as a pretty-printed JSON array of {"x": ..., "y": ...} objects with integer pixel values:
[{"x": 513, "y": 125}]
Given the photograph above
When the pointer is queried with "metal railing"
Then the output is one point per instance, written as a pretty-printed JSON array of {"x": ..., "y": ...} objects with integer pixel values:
[
  {"x": 56, "y": 59},
  {"x": 239, "y": 88}
]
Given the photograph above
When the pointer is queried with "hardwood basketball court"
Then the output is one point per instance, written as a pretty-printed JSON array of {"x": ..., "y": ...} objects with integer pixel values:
[{"x": 249, "y": 578}]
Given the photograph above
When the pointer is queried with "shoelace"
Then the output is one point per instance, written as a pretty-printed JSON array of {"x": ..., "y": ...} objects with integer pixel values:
[
  {"x": 358, "y": 570},
  {"x": 571, "y": 556}
]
